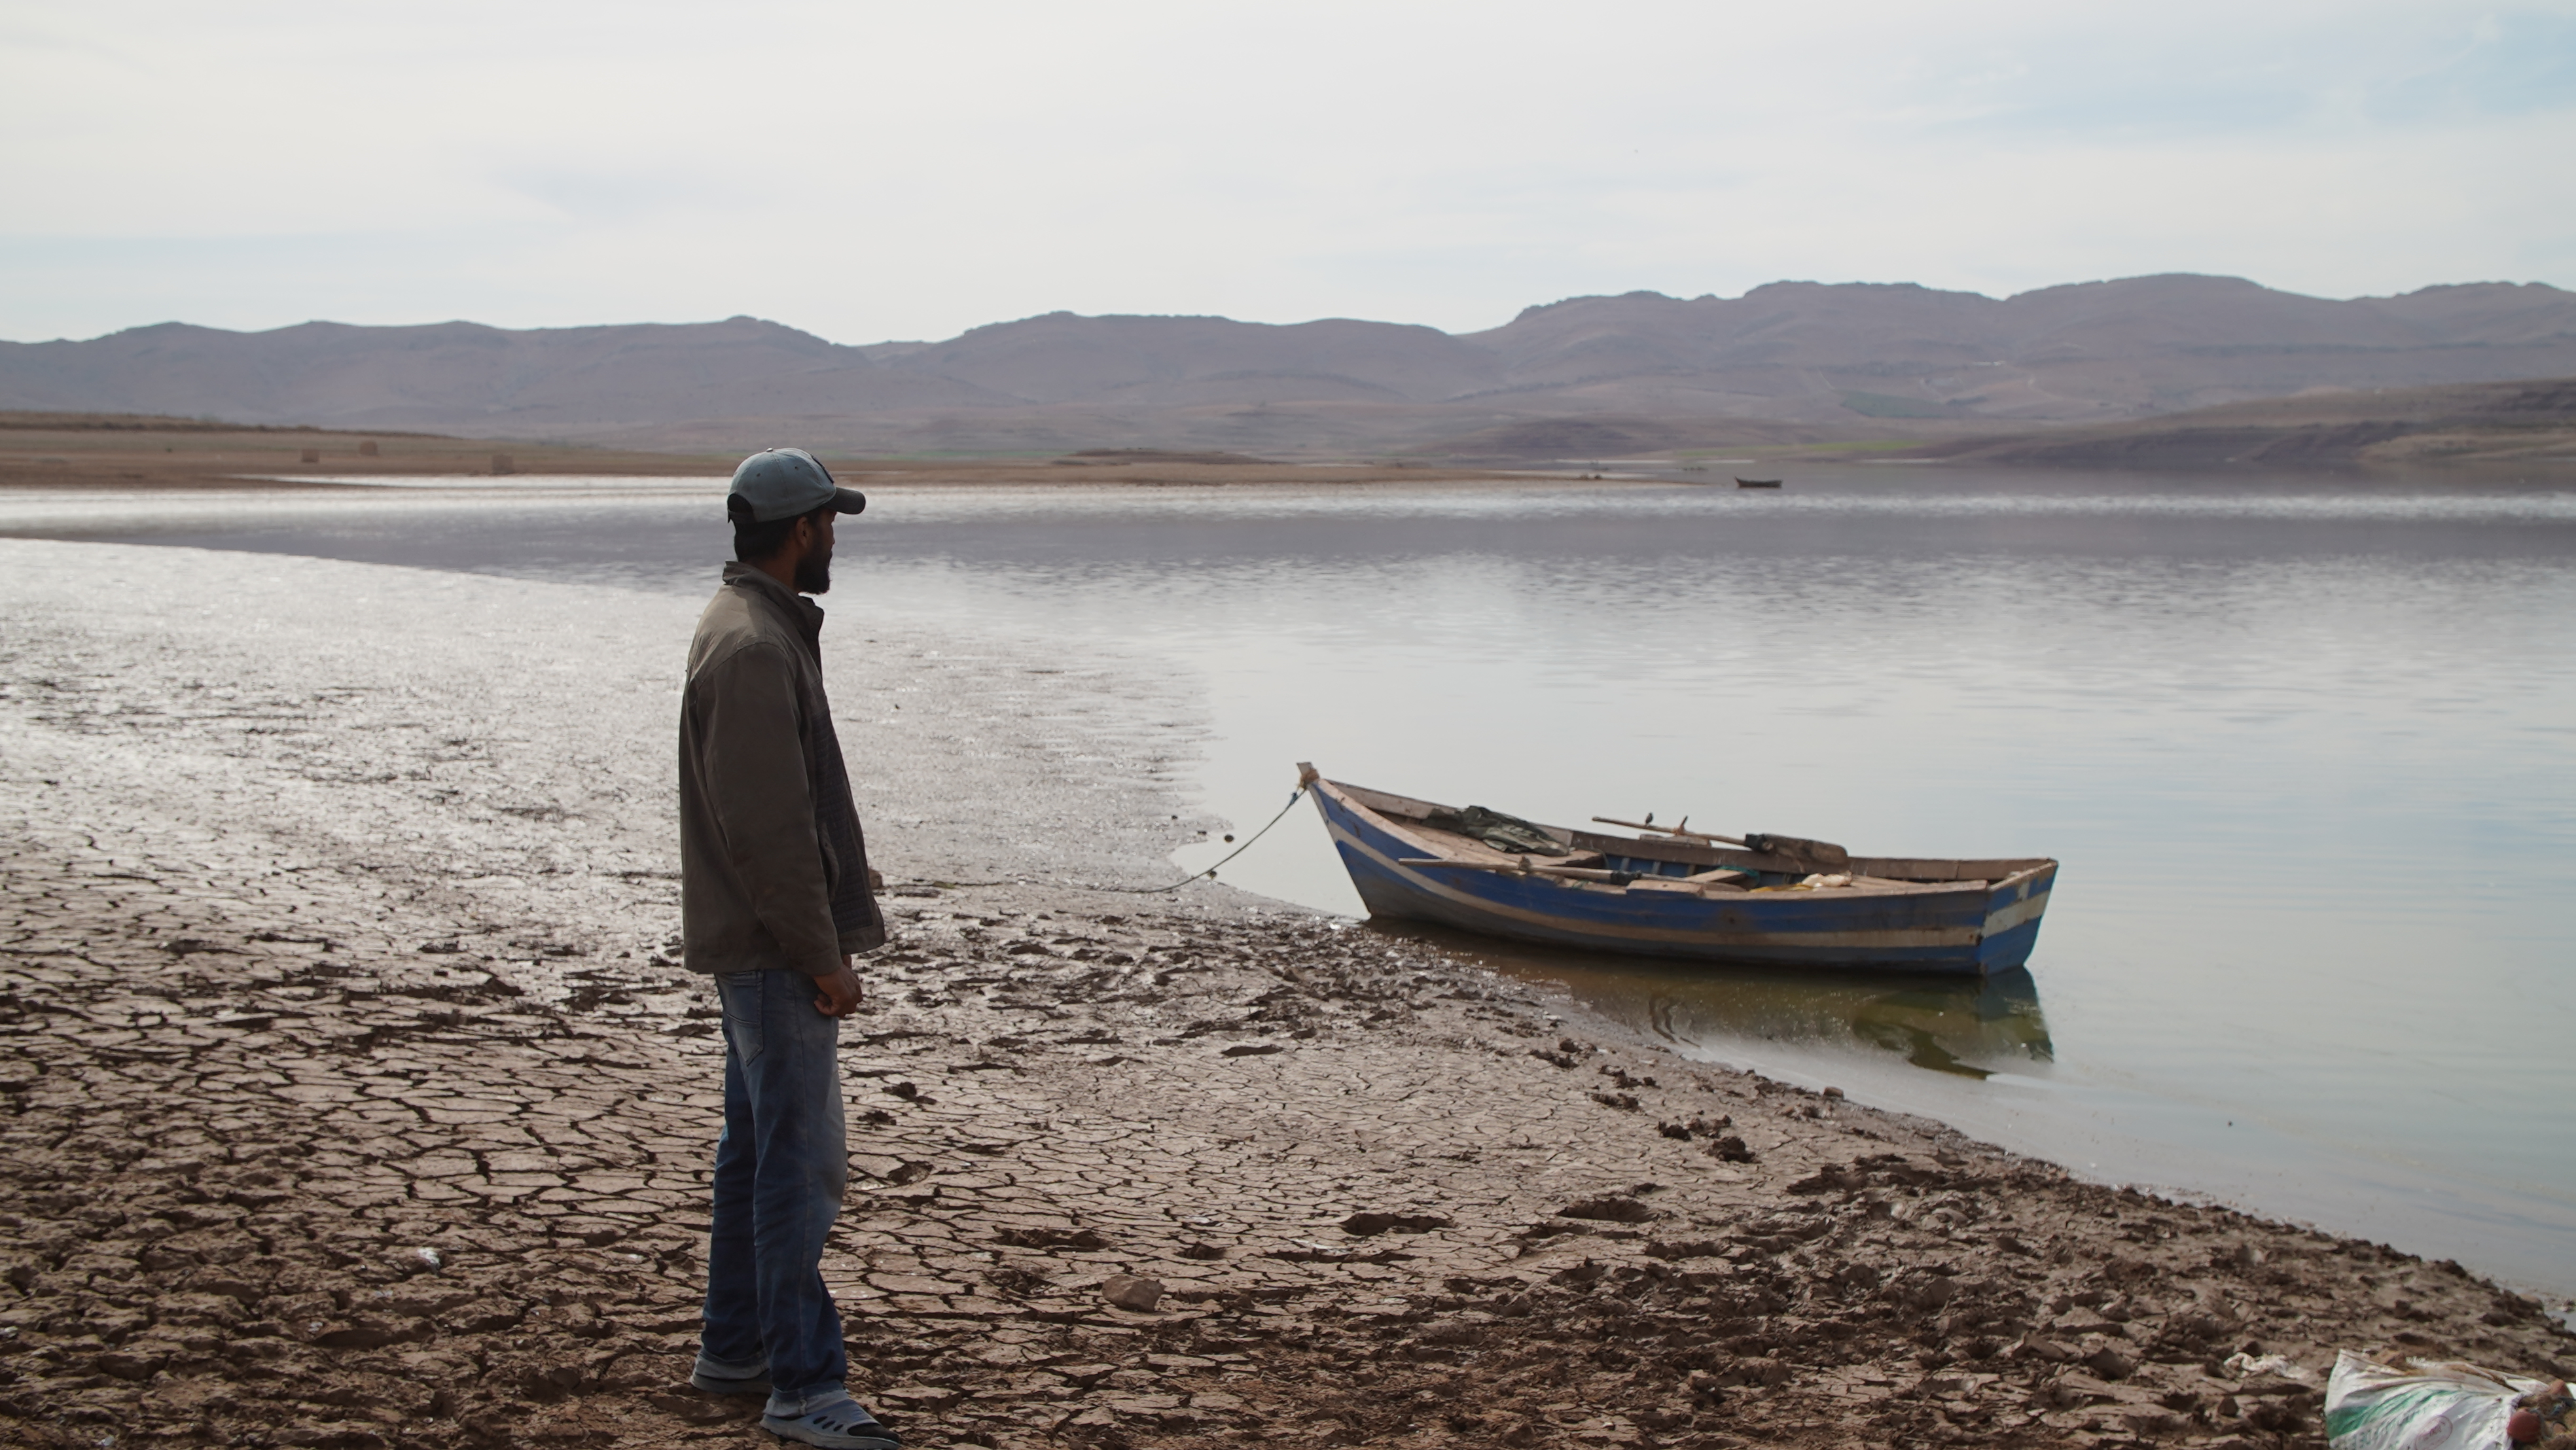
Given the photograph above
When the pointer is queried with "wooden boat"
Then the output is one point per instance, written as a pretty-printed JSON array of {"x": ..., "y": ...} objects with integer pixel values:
[
  {"x": 1773, "y": 900},
  {"x": 1757, "y": 483}
]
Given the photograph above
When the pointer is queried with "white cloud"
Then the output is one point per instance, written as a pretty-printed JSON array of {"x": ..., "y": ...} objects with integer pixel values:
[{"x": 870, "y": 171}]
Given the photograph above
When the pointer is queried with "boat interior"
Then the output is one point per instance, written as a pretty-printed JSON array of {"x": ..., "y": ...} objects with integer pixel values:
[{"x": 1676, "y": 861}]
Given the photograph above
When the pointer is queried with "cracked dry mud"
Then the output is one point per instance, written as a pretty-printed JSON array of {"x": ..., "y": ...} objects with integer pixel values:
[{"x": 348, "y": 1098}]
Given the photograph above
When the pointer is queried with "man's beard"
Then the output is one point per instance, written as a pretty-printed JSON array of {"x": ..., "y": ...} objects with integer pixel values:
[{"x": 814, "y": 574}]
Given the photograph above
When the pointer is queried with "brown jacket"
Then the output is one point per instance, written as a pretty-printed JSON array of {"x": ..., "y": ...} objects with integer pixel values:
[{"x": 773, "y": 870}]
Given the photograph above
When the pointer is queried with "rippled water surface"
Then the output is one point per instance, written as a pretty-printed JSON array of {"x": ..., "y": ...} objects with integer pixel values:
[{"x": 2306, "y": 748}]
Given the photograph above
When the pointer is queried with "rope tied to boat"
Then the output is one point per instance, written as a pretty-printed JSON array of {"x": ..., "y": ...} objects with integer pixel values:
[{"x": 1209, "y": 874}]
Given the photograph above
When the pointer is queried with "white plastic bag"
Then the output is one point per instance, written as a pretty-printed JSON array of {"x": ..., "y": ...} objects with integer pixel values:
[
  {"x": 2243, "y": 1365},
  {"x": 2372, "y": 1406}
]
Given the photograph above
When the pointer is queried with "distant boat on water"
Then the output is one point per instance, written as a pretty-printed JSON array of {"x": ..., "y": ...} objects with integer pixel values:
[
  {"x": 1757, "y": 483},
  {"x": 1675, "y": 892}
]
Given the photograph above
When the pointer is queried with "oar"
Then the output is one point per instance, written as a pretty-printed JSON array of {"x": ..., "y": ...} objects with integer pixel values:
[
  {"x": 1675, "y": 831},
  {"x": 1796, "y": 848},
  {"x": 1521, "y": 867}
]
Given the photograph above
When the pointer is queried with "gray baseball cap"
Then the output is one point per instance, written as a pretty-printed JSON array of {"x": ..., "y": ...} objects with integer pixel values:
[{"x": 780, "y": 483}]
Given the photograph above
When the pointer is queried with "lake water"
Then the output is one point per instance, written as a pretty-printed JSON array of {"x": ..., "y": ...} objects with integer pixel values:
[{"x": 2306, "y": 748}]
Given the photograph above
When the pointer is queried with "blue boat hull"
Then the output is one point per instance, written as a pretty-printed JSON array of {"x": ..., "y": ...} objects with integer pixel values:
[{"x": 1971, "y": 931}]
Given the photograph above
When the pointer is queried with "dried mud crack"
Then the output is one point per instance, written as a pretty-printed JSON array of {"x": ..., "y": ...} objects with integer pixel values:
[{"x": 270, "y": 1187}]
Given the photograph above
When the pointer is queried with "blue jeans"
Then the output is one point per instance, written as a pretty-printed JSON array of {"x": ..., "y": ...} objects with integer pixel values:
[{"x": 780, "y": 1168}]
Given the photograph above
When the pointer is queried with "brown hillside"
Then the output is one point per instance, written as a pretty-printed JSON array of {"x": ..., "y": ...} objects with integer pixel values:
[
  {"x": 1789, "y": 361},
  {"x": 2530, "y": 423}
]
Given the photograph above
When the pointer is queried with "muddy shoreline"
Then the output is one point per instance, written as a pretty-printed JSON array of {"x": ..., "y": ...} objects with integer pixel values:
[{"x": 351, "y": 1099}]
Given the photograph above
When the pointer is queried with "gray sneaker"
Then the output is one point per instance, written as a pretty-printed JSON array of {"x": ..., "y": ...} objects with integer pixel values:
[
  {"x": 829, "y": 1418},
  {"x": 717, "y": 1377}
]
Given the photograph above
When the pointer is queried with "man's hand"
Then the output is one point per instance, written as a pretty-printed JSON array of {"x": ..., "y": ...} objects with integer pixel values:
[{"x": 838, "y": 994}]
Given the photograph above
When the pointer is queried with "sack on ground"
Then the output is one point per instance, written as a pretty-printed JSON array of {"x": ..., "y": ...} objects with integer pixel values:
[{"x": 2373, "y": 1406}]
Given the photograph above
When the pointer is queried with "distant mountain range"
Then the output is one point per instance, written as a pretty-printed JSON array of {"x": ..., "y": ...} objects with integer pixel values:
[{"x": 1590, "y": 376}]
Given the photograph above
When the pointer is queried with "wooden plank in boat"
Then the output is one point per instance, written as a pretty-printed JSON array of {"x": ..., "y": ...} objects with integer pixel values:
[
  {"x": 1387, "y": 803},
  {"x": 1885, "y": 884},
  {"x": 1685, "y": 852},
  {"x": 1464, "y": 848},
  {"x": 1411, "y": 815},
  {"x": 1409, "y": 830}
]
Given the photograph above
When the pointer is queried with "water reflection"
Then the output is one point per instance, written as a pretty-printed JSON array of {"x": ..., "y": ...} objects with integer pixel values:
[{"x": 1963, "y": 1026}]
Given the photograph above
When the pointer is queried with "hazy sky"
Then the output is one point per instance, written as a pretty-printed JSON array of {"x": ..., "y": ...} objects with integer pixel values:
[{"x": 870, "y": 171}]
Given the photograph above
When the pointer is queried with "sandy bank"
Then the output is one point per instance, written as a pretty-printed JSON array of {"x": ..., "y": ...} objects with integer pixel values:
[{"x": 332, "y": 910}]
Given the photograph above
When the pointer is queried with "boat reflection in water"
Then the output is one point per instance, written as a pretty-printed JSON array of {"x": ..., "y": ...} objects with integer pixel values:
[{"x": 1968, "y": 1026}]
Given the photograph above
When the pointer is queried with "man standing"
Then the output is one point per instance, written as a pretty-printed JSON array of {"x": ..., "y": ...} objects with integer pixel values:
[{"x": 774, "y": 899}]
